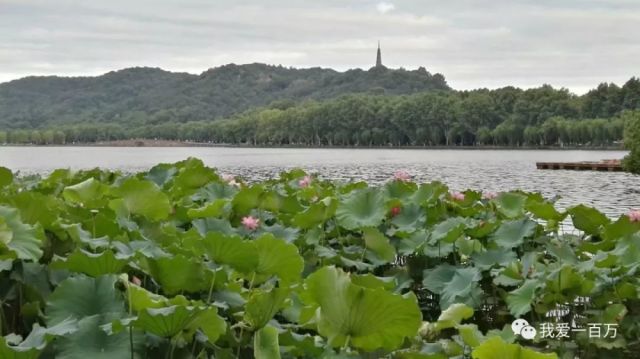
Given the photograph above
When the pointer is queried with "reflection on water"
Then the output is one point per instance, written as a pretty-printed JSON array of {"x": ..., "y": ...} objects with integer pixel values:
[{"x": 493, "y": 170}]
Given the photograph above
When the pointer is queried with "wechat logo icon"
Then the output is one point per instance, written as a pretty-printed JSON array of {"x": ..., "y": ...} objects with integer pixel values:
[{"x": 522, "y": 327}]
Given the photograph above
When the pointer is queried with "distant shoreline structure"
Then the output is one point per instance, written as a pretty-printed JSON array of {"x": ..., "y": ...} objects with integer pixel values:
[{"x": 167, "y": 143}]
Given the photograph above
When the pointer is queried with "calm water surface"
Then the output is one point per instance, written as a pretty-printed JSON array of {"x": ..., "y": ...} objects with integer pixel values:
[{"x": 493, "y": 170}]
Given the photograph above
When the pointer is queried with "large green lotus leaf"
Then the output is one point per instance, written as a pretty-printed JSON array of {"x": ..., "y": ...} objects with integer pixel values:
[
  {"x": 316, "y": 214},
  {"x": 241, "y": 255},
  {"x": 368, "y": 318},
  {"x": 361, "y": 208},
  {"x": 36, "y": 341},
  {"x": 265, "y": 343},
  {"x": 627, "y": 251},
  {"x": 563, "y": 251},
  {"x": 301, "y": 346},
  {"x": 161, "y": 174},
  {"x": 19, "y": 239},
  {"x": 178, "y": 274},
  {"x": 511, "y": 204},
  {"x": 371, "y": 281},
  {"x": 143, "y": 198},
  {"x": 210, "y": 323},
  {"x": 470, "y": 334},
  {"x": 276, "y": 201},
  {"x": 80, "y": 296},
  {"x": 92, "y": 264},
  {"x": 482, "y": 229},
  {"x": 37, "y": 208},
  {"x": 410, "y": 219},
  {"x": 207, "y": 225},
  {"x": 493, "y": 257},
  {"x": 497, "y": 348},
  {"x": 36, "y": 280},
  {"x": 263, "y": 305},
  {"x": 379, "y": 244},
  {"x": 587, "y": 219},
  {"x": 279, "y": 231},
  {"x": 214, "y": 209},
  {"x": 454, "y": 285},
  {"x": 399, "y": 189},
  {"x": 181, "y": 319},
  {"x": 545, "y": 210},
  {"x": 192, "y": 174},
  {"x": 214, "y": 191},
  {"x": 277, "y": 257},
  {"x": 447, "y": 231},
  {"x": 451, "y": 317},
  {"x": 273, "y": 201},
  {"x": 6, "y": 177},
  {"x": 566, "y": 283},
  {"x": 620, "y": 229},
  {"x": 521, "y": 299},
  {"x": 167, "y": 321},
  {"x": 89, "y": 193},
  {"x": 428, "y": 193},
  {"x": 140, "y": 299},
  {"x": 463, "y": 288},
  {"x": 509, "y": 276},
  {"x": 91, "y": 341},
  {"x": 246, "y": 199},
  {"x": 511, "y": 234},
  {"x": 437, "y": 278}
]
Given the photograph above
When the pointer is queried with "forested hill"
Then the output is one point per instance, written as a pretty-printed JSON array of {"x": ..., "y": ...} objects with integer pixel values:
[{"x": 149, "y": 95}]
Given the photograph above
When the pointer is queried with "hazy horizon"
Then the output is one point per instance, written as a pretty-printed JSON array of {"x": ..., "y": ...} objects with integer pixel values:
[{"x": 474, "y": 44}]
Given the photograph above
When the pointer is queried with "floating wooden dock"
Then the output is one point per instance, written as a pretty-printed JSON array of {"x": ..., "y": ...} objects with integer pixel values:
[{"x": 605, "y": 165}]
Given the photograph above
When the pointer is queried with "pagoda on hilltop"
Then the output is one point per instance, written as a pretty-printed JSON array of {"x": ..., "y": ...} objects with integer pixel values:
[{"x": 379, "y": 57}]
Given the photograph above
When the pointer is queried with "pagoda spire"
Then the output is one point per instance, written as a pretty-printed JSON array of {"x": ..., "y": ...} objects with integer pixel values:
[{"x": 379, "y": 57}]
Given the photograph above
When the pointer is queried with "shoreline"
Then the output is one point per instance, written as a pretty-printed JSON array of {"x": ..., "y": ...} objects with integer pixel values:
[{"x": 165, "y": 143}]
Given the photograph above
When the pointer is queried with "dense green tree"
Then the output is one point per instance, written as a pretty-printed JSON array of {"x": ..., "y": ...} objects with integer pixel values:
[
  {"x": 632, "y": 140},
  {"x": 138, "y": 96},
  {"x": 508, "y": 116}
]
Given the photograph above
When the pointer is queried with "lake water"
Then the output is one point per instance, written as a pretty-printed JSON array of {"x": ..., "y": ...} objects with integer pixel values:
[{"x": 494, "y": 170}]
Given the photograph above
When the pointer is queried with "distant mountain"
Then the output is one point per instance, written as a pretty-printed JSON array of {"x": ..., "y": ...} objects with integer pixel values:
[{"x": 137, "y": 96}]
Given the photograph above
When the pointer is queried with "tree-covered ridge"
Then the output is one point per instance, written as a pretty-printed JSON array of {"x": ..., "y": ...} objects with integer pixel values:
[
  {"x": 182, "y": 262},
  {"x": 505, "y": 117},
  {"x": 139, "y": 96},
  {"x": 267, "y": 105}
]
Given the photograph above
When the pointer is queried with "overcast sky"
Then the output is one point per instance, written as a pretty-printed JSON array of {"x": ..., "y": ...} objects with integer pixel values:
[{"x": 474, "y": 43}]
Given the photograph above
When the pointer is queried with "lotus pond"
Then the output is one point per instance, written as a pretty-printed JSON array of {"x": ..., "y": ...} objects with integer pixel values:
[{"x": 183, "y": 262}]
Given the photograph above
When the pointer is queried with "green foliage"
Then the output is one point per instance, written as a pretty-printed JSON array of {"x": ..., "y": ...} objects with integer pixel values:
[
  {"x": 366, "y": 318},
  {"x": 151, "y": 95},
  {"x": 18, "y": 239},
  {"x": 631, "y": 162},
  {"x": 323, "y": 108},
  {"x": 157, "y": 264}
]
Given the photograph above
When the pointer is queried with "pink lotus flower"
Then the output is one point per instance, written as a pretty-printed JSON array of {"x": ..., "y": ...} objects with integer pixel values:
[
  {"x": 395, "y": 211},
  {"x": 634, "y": 215},
  {"x": 489, "y": 195},
  {"x": 458, "y": 196},
  {"x": 305, "y": 182},
  {"x": 230, "y": 179},
  {"x": 402, "y": 176},
  {"x": 250, "y": 223}
]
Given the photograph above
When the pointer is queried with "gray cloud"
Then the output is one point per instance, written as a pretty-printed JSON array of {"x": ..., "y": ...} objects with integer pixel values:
[{"x": 474, "y": 43}]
